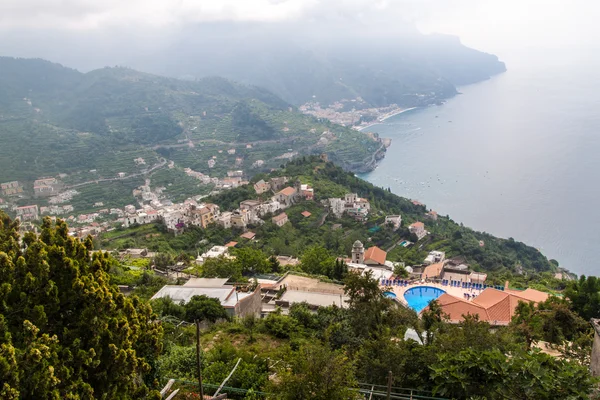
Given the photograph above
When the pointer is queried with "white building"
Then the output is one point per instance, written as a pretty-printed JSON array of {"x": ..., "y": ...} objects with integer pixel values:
[
  {"x": 214, "y": 252},
  {"x": 418, "y": 228},
  {"x": 395, "y": 220},
  {"x": 337, "y": 207},
  {"x": 140, "y": 218},
  {"x": 434, "y": 257},
  {"x": 225, "y": 220}
]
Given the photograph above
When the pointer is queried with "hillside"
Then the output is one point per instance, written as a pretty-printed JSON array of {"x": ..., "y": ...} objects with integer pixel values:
[
  {"x": 62, "y": 306},
  {"x": 502, "y": 259},
  {"x": 57, "y": 120}
]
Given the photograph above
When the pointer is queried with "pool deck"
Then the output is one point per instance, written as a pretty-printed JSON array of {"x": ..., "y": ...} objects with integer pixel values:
[{"x": 452, "y": 290}]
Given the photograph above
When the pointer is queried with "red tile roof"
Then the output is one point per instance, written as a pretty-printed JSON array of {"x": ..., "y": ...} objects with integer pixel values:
[
  {"x": 417, "y": 225},
  {"x": 494, "y": 306},
  {"x": 456, "y": 307},
  {"x": 231, "y": 244},
  {"x": 248, "y": 235},
  {"x": 306, "y": 214},
  {"x": 288, "y": 191},
  {"x": 279, "y": 217},
  {"x": 433, "y": 270},
  {"x": 375, "y": 254}
]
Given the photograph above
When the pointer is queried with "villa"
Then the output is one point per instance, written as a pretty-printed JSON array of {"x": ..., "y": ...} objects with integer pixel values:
[{"x": 418, "y": 228}]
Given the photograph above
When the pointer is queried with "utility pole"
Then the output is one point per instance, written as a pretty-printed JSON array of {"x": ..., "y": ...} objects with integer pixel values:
[
  {"x": 389, "y": 386},
  {"x": 199, "y": 363}
]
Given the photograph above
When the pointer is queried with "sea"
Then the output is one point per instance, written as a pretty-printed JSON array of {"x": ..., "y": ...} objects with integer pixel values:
[{"x": 517, "y": 156}]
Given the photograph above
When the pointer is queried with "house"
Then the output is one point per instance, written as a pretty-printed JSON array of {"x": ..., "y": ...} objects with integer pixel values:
[
  {"x": 433, "y": 271},
  {"x": 231, "y": 244},
  {"x": 237, "y": 303},
  {"x": 456, "y": 270},
  {"x": 140, "y": 218},
  {"x": 225, "y": 220},
  {"x": 307, "y": 192},
  {"x": 306, "y": 214},
  {"x": 394, "y": 220},
  {"x": 268, "y": 207},
  {"x": 356, "y": 207},
  {"x": 213, "y": 252},
  {"x": 432, "y": 215},
  {"x": 11, "y": 188},
  {"x": 359, "y": 214},
  {"x": 418, "y": 228},
  {"x": 337, "y": 206},
  {"x": 280, "y": 219},
  {"x": 494, "y": 306},
  {"x": 377, "y": 272},
  {"x": 27, "y": 213},
  {"x": 240, "y": 218},
  {"x": 250, "y": 205},
  {"x": 261, "y": 187},
  {"x": 248, "y": 235},
  {"x": 173, "y": 220},
  {"x": 201, "y": 215},
  {"x": 375, "y": 256},
  {"x": 44, "y": 186},
  {"x": 286, "y": 197},
  {"x": 277, "y": 183},
  {"x": 434, "y": 257}
]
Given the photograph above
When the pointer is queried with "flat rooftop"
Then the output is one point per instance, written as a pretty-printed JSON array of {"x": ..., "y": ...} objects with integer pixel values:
[
  {"x": 302, "y": 283},
  {"x": 226, "y": 296},
  {"x": 313, "y": 298}
]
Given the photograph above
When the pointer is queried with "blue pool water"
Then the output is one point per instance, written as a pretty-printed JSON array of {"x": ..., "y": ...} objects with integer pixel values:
[
  {"x": 419, "y": 297},
  {"x": 391, "y": 295}
]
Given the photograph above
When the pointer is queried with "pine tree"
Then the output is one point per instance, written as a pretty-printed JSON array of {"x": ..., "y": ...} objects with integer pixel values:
[{"x": 65, "y": 332}]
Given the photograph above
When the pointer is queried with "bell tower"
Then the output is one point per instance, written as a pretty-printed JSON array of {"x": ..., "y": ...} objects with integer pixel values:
[{"x": 358, "y": 253}]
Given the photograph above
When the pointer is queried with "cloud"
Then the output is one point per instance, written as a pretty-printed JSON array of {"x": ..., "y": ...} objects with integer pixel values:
[{"x": 94, "y": 14}]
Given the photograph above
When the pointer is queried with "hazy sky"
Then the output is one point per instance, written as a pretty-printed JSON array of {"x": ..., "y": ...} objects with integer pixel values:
[{"x": 495, "y": 26}]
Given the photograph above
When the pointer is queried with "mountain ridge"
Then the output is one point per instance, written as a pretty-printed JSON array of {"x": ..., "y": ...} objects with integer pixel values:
[{"x": 54, "y": 119}]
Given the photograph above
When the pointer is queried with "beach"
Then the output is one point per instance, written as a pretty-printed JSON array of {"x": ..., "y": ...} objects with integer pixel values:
[{"x": 384, "y": 117}]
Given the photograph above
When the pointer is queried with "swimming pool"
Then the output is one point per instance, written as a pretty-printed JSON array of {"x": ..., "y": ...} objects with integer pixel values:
[
  {"x": 391, "y": 295},
  {"x": 419, "y": 297}
]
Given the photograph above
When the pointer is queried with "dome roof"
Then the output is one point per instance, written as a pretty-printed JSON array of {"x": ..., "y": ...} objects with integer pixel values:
[{"x": 358, "y": 243}]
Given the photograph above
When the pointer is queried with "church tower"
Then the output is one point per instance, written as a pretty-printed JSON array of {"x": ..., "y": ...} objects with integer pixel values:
[{"x": 358, "y": 253}]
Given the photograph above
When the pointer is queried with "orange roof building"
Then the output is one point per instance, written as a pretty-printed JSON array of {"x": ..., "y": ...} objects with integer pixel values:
[
  {"x": 248, "y": 235},
  {"x": 494, "y": 306},
  {"x": 306, "y": 214},
  {"x": 280, "y": 219},
  {"x": 375, "y": 256},
  {"x": 231, "y": 244},
  {"x": 433, "y": 270},
  {"x": 288, "y": 191}
]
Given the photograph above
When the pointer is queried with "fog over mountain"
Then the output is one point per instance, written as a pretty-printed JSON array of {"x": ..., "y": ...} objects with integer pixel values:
[{"x": 299, "y": 50}]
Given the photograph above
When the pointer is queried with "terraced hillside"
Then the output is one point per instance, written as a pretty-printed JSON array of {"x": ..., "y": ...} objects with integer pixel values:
[{"x": 57, "y": 120}]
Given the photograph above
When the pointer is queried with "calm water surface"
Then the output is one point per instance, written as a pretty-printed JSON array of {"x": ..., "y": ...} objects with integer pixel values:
[{"x": 516, "y": 156}]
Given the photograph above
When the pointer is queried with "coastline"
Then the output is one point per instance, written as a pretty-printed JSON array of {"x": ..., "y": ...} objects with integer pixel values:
[{"x": 384, "y": 117}]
